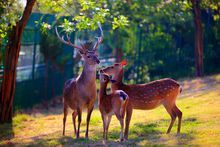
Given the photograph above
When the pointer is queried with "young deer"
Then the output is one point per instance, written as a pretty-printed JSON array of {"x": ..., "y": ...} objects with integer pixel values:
[
  {"x": 147, "y": 96},
  {"x": 81, "y": 92},
  {"x": 109, "y": 104}
]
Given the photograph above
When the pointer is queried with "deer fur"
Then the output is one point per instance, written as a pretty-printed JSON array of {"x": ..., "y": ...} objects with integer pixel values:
[
  {"x": 109, "y": 104},
  {"x": 147, "y": 96}
]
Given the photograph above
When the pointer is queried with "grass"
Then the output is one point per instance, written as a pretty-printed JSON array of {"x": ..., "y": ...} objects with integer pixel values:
[{"x": 199, "y": 102}]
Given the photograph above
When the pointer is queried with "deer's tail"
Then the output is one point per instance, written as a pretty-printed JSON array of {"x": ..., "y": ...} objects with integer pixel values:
[{"x": 124, "y": 99}]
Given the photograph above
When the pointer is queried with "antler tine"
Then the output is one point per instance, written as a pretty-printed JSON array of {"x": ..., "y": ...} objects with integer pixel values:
[
  {"x": 66, "y": 42},
  {"x": 100, "y": 39},
  {"x": 68, "y": 37}
]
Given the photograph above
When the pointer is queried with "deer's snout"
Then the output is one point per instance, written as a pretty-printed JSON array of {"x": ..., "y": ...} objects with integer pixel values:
[
  {"x": 101, "y": 71},
  {"x": 96, "y": 60}
]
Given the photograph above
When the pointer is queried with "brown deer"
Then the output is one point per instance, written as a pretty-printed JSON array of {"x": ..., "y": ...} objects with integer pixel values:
[
  {"x": 147, "y": 96},
  {"x": 109, "y": 104},
  {"x": 81, "y": 92}
]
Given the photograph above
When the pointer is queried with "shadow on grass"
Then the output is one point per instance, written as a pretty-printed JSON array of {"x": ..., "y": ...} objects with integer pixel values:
[
  {"x": 6, "y": 131},
  {"x": 141, "y": 134},
  {"x": 150, "y": 134}
]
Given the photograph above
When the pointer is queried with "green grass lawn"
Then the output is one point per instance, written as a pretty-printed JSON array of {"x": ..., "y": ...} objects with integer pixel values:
[{"x": 199, "y": 102}]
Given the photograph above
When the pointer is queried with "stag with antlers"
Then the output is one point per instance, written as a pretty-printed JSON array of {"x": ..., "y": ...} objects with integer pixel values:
[
  {"x": 147, "y": 96},
  {"x": 81, "y": 92}
]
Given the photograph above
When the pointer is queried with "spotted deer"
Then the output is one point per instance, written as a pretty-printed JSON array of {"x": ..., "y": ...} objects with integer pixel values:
[
  {"x": 109, "y": 104},
  {"x": 147, "y": 96},
  {"x": 81, "y": 92}
]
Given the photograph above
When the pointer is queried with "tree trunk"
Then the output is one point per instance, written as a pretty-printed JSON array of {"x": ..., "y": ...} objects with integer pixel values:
[
  {"x": 11, "y": 60},
  {"x": 118, "y": 43},
  {"x": 198, "y": 38},
  {"x": 119, "y": 54}
]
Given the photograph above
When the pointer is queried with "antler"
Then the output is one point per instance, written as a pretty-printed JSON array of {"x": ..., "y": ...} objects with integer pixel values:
[
  {"x": 99, "y": 38},
  {"x": 68, "y": 42}
]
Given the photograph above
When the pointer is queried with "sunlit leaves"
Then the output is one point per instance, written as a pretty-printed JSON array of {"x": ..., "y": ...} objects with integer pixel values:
[
  {"x": 68, "y": 26},
  {"x": 90, "y": 14},
  {"x": 10, "y": 11},
  {"x": 120, "y": 21},
  {"x": 44, "y": 27},
  {"x": 84, "y": 13},
  {"x": 54, "y": 6}
]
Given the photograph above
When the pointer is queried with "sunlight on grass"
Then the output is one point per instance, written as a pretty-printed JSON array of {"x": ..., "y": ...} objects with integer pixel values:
[{"x": 200, "y": 125}]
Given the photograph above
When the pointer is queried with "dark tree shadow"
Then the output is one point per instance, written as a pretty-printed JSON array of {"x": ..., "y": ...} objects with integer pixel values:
[{"x": 6, "y": 131}]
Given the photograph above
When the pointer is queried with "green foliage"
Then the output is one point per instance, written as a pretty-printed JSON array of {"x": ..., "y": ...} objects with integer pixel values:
[
  {"x": 212, "y": 5},
  {"x": 43, "y": 26},
  {"x": 120, "y": 21},
  {"x": 83, "y": 14},
  {"x": 10, "y": 11},
  {"x": 68, "y": 26},
  {"x": 165, "y": 47}
]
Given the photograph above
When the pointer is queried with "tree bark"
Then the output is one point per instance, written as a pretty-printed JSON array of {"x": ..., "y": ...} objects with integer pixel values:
[
  {"x": 118, "y": 43},
  {"x": 11, "y": 60},
  {"x": 198, "y": 38},
  {"x": 119, "y": 54}
]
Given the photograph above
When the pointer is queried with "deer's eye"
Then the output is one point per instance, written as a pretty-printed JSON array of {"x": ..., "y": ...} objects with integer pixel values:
[
  {"x": 112, "y": 67},
  {"x": 88, "y": 56}
]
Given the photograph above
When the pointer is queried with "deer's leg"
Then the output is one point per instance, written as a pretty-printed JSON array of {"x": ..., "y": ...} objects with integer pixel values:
[
  {"x": 128, "y": 119},
  {"x": 121, "y": 120},
  {"x": 107, "y": 125},
  {"x": 65, "y": 112},
  {"x": 179, "y": 115},
  {"x": 74, "y": 114},
  {"x": 79, "y": 113},
  {"x": 88, "y": 120},
  {"x": 104, "y": 125},
  {"x": 172, "y": 115}
]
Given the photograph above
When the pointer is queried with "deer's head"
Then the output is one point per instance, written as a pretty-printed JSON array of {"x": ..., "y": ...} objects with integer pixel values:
[
  {"x": 105, "y": 78},
  {"x": 115, "y": 68},
  {"x": 87, "y": 50}
]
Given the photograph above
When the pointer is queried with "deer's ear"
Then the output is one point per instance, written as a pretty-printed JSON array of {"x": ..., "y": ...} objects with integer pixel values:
[{"x": 124, "y": 62}]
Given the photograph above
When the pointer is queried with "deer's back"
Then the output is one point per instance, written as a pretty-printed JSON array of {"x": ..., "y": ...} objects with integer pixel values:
[{"x": 150, "y": 95}]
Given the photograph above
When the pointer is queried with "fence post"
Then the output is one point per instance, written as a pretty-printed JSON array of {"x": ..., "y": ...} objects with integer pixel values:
[{"x": 34, "y": 52}]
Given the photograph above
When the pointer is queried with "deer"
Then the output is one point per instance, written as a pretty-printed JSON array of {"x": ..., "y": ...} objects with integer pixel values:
[
  {"x": 147, "y": 96},
  {"x": 109, "y": 104},
  {"x": 80, "y": 93}
]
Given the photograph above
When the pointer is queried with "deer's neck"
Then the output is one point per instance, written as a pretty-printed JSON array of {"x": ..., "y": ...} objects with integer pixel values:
[
  {"x": 88, "y": 74},
  {"x": 118, "y": 78},
  {"x": 102, "y": 90}
]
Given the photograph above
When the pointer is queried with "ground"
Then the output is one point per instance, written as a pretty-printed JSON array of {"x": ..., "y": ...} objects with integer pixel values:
[{"x": 199, "y": 102}]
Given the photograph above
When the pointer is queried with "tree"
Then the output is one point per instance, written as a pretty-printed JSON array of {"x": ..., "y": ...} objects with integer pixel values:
[
  {"x": 198, "y": 37},
  {"x": 11, "y": 60}
]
